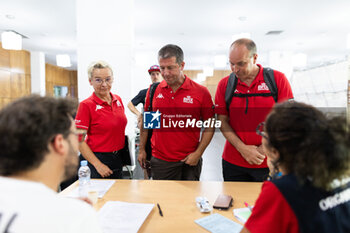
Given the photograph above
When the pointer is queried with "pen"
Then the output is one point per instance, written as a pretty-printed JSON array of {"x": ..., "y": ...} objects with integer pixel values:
[
  {"x": 248, "y": 206},
  {"x": 160, "y": 210}
]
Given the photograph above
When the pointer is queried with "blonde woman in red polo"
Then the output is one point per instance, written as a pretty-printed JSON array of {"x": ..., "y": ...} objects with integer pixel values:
[{"x": 103, "y": 117}]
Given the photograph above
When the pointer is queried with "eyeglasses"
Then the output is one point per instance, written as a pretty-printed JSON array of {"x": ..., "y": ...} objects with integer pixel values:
[
  {"x": 260, "y": 130},
  {"x": 81, "y": 134},
  {"x": 99, "y": 81}
]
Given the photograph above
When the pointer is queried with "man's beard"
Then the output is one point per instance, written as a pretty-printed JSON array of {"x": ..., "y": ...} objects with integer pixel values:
[{"x": 71, "y": 165}]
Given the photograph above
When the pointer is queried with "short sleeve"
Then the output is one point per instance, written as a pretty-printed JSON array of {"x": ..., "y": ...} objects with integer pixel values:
[
  {"x": 272, "y": 213},
  {"x": 283, "y": 86},
  {"x": 139, "y": 98},
  {"x": 82, "y": 119},
  {"x": 220, "y": 104}
]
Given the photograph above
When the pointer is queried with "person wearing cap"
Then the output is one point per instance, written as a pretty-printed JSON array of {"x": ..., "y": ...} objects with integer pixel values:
[{"x": 154, "y": 72}]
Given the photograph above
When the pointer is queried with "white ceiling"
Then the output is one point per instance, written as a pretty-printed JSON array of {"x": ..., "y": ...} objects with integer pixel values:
[{"x": 203, "y": 28}]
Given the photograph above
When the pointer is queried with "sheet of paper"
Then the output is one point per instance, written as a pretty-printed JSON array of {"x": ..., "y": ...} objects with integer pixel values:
[
  {"x": 101, "y": 186},
  {"x": 242, "y": 214},
  {"x": 216, "y": 223},
  {"x": 117, "y": 216}
]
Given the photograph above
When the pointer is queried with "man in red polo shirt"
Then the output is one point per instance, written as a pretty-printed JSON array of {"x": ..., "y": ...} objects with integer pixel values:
[
  {"x": 177, "y": 147},
  {"x": 243, "y": 158}
]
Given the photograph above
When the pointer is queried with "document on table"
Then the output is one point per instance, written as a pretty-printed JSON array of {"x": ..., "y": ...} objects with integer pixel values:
[
  {"x": 117, "y": 216},
  {"x": 101, "y": 186},
  {"x": 242, "y": 214},
  {"x": 216, "y": 223}
]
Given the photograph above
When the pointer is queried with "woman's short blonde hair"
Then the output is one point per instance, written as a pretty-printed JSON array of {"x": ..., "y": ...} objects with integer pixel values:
[{"x": 98, "y": 65}]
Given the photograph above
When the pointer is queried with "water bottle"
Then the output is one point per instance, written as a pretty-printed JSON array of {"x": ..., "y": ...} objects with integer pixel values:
[{"x": 84, "y": 179}]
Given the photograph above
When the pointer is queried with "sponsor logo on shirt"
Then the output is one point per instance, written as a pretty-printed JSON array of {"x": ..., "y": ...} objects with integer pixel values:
[
  {"x": 236, "y": 91},
  {"x": 118, "y": 103},
  {"x": 188, "y": 100},
  {"x": 263, "y": 87},
  {"x": 160, "y": 96},
  {"x": 98, "y": 107}
]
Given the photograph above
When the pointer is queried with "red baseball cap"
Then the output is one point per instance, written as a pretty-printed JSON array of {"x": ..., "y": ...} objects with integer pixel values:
[{"x": 153, "y": 68}]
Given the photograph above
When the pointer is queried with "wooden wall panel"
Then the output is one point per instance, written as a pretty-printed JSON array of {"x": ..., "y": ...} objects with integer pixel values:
[
  {"x": 19, "y": 61},
  {"x": 5, "y": 84},
  {"x": 15, "y": 75},
  {"x": 4, "y": 59},
  {"x": 57, "y": 76},
  {"x": 210, "y": 82},
  {"x": 18, "y": 85}
]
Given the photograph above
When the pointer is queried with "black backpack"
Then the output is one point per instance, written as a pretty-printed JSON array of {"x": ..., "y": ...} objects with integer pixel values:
[
  {"x": 269, "y": 79},
  {"x": 148, "y": 148},
  {"x": 153, "y": 88}
]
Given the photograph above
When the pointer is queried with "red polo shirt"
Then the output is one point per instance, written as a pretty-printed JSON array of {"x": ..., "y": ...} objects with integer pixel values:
[
  {"x": 244, "y": 121},
  {"x": 190, "y": 101},
  {"x": 105, "y": 124},
  {"x": 272, "y": 213}
]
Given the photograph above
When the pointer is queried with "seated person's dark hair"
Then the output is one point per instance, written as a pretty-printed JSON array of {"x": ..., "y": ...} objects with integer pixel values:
[
  {"x": 310, "y": 145},
  {"x": 26, "y": 128}
]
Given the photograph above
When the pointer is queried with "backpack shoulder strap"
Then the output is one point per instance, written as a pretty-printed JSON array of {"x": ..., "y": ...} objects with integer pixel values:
[
  {"x": 230, "y": 88},
  {"x": 152, "y": 90},
  {"x": 269, "y": 79}
]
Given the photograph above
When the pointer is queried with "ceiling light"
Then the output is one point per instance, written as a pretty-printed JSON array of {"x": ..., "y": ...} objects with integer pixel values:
[
  {"x": 63, "y": 60},
  {"x": 242, "y": 18},
  {"x": 274, "y": 33},
  {"x": 11, "y": 40},
  {"x": 10, "y": 16}
]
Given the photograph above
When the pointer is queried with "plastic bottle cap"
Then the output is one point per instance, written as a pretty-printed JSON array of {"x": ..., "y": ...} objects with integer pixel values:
[{"x": 83, "y": 163}]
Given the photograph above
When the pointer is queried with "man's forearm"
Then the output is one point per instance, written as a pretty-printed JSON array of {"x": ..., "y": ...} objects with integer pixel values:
[
  {"x": 133, "y": 109},
  {"x": 143, "y": 136},
  {"x": 229, "y": 133},
  {"x": 207, "y": 135}
]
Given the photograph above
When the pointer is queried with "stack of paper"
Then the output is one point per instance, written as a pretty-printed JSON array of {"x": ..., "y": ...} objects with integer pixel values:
[
  {"x": 217, "y": 223},
  {"x": 242, "y": 214},
  {"x": 117, "y": 216}
]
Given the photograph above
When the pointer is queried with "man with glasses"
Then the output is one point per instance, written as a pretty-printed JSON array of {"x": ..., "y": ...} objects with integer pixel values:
[
  {"x": 39, "y": 147},
  {"x": 243, "y": 158}
]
